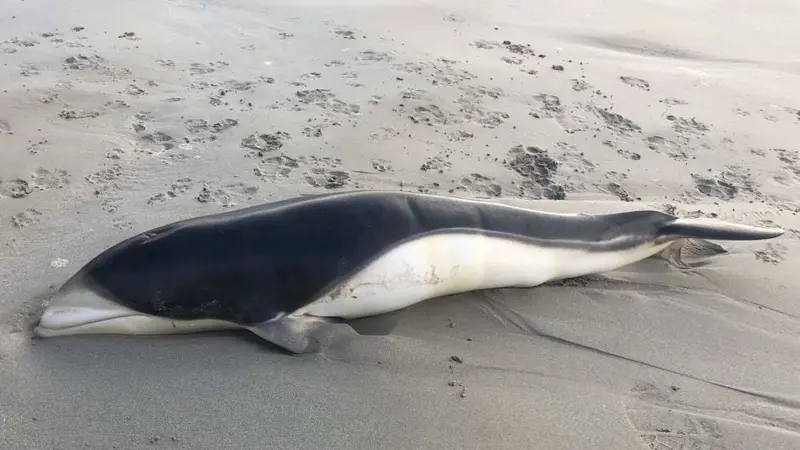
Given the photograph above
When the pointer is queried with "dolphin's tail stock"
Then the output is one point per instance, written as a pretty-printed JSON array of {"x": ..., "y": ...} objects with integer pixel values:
[{"x": 714, "y": 229}]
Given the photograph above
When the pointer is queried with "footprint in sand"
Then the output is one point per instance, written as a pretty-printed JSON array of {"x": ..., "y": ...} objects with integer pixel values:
[
  {"x": 328, "y": 179},
  {"x": 325, "y": 99},
  {"x": 227, "y": 195},
  {"x": 440, "y": 73},
  {"x": 687, "y": 127},
  {"x": 42, "y": 179},
  {"x": 435, "y": 164},
  {"x": 373, "y": 56},
  {"x": 259, "y": 144},
  {"x": 539, "y": 169},
  {"x": 345, "y": 33},
  {"x": 275, "y": 167},
  {"x": 158, "y": 138},
  {"x": 669, "y": 427},
  {"x": 106, "y": 184},
  {"x": 627, "y": 154},
  {"x": 381, "y": 165},
  {"x": 636, "y": 82},
  {"x": 772, "y": 254},
  {"x": 480, "y": 185},
  {"x": 730, "y": 183},
  {"x": 616, "y": 122},
  {"x": 175, "y": 189},
  {"x": 667, "y": 147},
  {"x": 26, "y": 218}
]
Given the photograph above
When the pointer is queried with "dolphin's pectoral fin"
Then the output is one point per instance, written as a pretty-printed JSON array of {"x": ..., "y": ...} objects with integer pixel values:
[
  {"x": 690, "y": 253},
  {"x": 288, "y": 333},
  {"x": 379, "y": 325}
]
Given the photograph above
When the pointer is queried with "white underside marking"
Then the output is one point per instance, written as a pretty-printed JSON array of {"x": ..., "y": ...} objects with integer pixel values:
[{"x": 451, "y": 263}]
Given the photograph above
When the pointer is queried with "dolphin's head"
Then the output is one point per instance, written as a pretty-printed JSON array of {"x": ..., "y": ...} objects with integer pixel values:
[{"x": 77, "y": 309}]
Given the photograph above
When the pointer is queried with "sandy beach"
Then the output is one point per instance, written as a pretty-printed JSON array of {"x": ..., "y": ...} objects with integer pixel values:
[{"x": 116, "y": 117}]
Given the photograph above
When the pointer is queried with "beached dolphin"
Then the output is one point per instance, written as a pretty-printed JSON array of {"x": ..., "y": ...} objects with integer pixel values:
[{"x": 277, "y": 268}]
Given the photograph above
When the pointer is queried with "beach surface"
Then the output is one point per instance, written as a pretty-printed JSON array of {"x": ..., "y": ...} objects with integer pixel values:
[{"x": 116, "y": 117}]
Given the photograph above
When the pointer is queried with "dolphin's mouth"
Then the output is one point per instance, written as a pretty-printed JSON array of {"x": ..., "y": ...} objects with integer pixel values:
[{"x": 82, "y": 311}]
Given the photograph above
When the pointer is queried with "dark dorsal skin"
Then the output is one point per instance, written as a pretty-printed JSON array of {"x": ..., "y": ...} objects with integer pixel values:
[{"x": 250, "y": 265}]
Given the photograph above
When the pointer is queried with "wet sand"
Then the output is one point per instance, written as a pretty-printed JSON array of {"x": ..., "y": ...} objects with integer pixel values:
[{"x": 115, "y": 118}]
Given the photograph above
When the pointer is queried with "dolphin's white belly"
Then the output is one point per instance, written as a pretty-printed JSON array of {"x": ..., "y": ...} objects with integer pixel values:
[{"x": 451, "y": 263}]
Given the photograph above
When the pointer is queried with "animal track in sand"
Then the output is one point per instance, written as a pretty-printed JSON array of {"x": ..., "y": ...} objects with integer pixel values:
[
  {"x": 5, "y": 127},
  {"x": 180, "y": 186},
  {"x": 70, "y": 114},
  {"x": 158, "y": 138},
  {"x": 790, "y": 159},
  {"x": 107, "y": 184},
  {"x": 28, "y": 70},
  {"x": 539, "y": 168},
  {"x": 516, "y": 49},
  {"x": 20, "y": 42},
  {"x": 511, "y": 60},
  {"x": 203, "y": 69},
  {"x": 471, "y": 106},
  {"x": 41, "y": 179},
  {"x": 728, "y": 184},
  {"x": 616, "y": 122},
  {"x": 440, "y": 73},
  {"x": 328, "y": 179},
  {"x": 26, "y": 218},
  {"x": 480, "y": 186},
  {"x": 227, "y": 195},
  {"x": 670, "y": 427},
  {"x": 383, "y": 133},
  {"x": 580, "y": 85},
  {"x": 15, "y": 188},
  {"x": 476, "y": 113},
  {"x": 667, "y": 147},
  {"x": 133, "y": 90},
  {"x": 617, "y": 190},
  {"x": 772, "y": 253},
  {"x": 317, "y": 125},
  {"x": 459, "y": 136},
  {"x": 373, "y": 56},
  {"x": 684, "y": 126},
  {"x": 94, "y": 63},
  {"x": 328, "y": 101},
  {"x": 206, "y": 130},
  {"x": 320, "y": 175},
  {"x": 636, "y": 82},
  {"x": 549, "y": 106},
  {"x": 673, "y": 101},
  {"x": 571, "y": 158},
  {"x": 258, "y": 144},
  {"x": 381, "y": 165},
  {"x": 627, "y": 154},
  {"x": 345, "y": 33},
  {"x": 429, "y": 114},
  {"x": 435, "y": 164},
  {"x": 477, "y": 92},
  {"x": 274, "y": 167}
]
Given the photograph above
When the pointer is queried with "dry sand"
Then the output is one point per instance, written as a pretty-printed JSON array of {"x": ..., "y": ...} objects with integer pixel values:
[{"x": 119, "y": 116}]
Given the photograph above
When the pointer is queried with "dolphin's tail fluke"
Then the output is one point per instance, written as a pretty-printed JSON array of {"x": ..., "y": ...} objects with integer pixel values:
[{"x": 714, "y": 229}]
